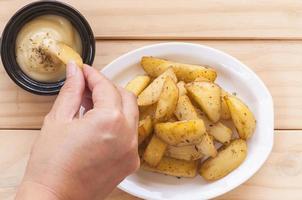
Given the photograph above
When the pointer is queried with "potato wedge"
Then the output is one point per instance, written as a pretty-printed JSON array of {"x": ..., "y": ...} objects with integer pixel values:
[
  {"x": 207, "y": 95},
  {"x": 173, "y": 167},
  {"x": 228, "y": 159},
  {"x": 63, "y": 52},
  {"x": 184, "y": 109},
  {"x": 181, "y": 133},
  {"x": 181, "y": 88},
  {"x": 138, "y": 84},
  {"x": 242, "y": 117},
  {"x": 154, "y": 151},
  {"x": 190, "y": 152},
  {"x": 206, "y": 146},
  {"x": 184, "y": 72},
  {"x": 145, "y": 111},
  {"x": 150, "y": 95},
  {"x": 221, "y": 132},
  {"x": 167, "y": 101},
  {"x": 145, "y": 128},
  {"x": 225, "y": 112}
]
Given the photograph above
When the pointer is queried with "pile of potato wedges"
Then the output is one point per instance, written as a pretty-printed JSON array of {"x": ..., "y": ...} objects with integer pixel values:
[{"x": 186, "y": 121}]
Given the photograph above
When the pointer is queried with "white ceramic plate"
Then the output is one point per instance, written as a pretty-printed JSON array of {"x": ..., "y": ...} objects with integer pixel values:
[{"x": 234, "y": 77}]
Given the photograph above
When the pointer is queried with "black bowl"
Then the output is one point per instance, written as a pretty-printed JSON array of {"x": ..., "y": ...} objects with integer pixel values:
[{"x": 23, "y": 16}]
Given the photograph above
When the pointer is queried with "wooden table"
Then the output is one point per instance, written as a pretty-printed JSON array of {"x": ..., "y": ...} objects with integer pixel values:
[{"x": 265, "y": 35}]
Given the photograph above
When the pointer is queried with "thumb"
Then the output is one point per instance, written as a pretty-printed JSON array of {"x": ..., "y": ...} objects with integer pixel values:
[{"x": 69, "y": 99}]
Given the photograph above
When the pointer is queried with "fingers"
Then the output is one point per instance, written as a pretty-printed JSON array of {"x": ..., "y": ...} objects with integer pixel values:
[
  {"x": 130, "y": 108},
  {"x": 69, "y": 99},
  {"x": 104, "y": 94}
]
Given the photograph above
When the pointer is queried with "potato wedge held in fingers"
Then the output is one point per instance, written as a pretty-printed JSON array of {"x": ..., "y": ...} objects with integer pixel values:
[
  {"x": 206, "y": 146},
  {"x": 207, "y": 95},
  {"x": 167, "y": 101},
  {"x": 145, "y": 128},
  {"x": 228, "y": 159},
  {"x": 138, "y": 84},
  {"x": 181, "y": 133},
  {"x": 190, "y": 152},
  {"x": 181, "y": 88},
  {"x": 174, "y": 167},
  {"x": 221, "y": 132},
  {"x": 184, "y": 109},
  {"x": 150, "y": 94},
  {"x": 225, "y": 112},
  {"x": 184, "y": 72},
  {"x": 242, "y": 117},
  {"x": 154, "y": 151}
]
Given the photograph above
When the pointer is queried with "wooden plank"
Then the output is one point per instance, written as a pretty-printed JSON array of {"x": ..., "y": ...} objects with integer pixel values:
[
  {"x": 184, "y": 18},
  {"x": 278, "y": 63},
  {"x": 279, "y": 178}
]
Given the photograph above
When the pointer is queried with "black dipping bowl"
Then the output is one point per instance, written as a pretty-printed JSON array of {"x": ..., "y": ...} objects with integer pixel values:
[{"x": 24, "y": 15}]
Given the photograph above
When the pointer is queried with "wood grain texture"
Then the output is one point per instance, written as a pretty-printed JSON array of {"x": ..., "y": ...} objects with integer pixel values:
[
  {"x": 278, "y": 63},
  {"x": 184, "y": 18},
  {"x": 279, "y": 178}
]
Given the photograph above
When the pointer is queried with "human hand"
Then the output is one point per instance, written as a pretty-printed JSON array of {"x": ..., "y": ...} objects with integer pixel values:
[{"x": 83, "y": 158}]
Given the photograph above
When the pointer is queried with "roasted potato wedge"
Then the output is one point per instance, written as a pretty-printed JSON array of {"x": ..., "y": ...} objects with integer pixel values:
[
  {"x": 150, "y": 94},
  {"x": 145, "y": 128},
  {"x": 181, "y": 88},
  {"x": 201, "y": 79},
  {"x": 206, "y": 146},
  {"x": 190, "y": 152},
  {"x": 207, "y": 95},
  {"x": 227, "y": 159},
  {"x": 181, "y": 133},
  {"x": 63, "y": 52},
  {"x": 242, "y": 117},
  {"x": 154, "y": 151},
  {"x": 174, "y": 167},
  {"x": 138, "y": 84},
  {"x": 184, "y": 109},
  {"x": 184, "y": 72},
  {"x": 225, "y": 112},
  {"x": 167, "y": 101},
  {"x": 221, "y": 132}
]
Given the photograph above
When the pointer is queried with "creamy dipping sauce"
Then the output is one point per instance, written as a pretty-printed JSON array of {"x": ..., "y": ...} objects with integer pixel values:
[{"x": 32, "y": 42}]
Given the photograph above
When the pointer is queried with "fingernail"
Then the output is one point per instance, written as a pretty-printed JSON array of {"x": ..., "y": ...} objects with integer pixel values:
[{"x": 71, "y": 69}]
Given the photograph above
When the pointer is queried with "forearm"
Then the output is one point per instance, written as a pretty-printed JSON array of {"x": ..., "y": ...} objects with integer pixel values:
[{"x": 34, "y": 191}]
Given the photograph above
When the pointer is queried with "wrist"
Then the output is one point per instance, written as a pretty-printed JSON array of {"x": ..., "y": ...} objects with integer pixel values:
[{"x": 29, "y": 190}]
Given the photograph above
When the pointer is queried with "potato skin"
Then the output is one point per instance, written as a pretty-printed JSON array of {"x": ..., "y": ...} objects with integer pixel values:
[
  {"x": 227, "y": 159},
  {"x": 181, "y": 133},
  {"x": 190, "y": 152},
  {"x": 242, "y": 117},
  {"x": 145, "y": 128},
  {"x": 174, "y": 167},
  {"x": 207, "y": 95},
  {"x": 138, "y": 84},
  {"x": 167, "y": 101},
  {"x": 184, "y": 72},
  {"x": 154, "y": 151},
  {"x": 150, "y": 94}
]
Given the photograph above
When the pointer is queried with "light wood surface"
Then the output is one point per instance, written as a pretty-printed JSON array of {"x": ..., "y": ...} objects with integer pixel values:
[
  {"x": 278, "y": 63},
  {"x": 265, "y": 35},
  {"x": 185, "y": 18},
  {"x": 279, "y": 178}
]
